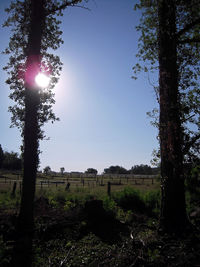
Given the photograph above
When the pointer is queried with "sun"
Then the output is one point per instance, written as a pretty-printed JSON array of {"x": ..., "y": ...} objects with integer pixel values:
[{"x": 42, "y": 80}]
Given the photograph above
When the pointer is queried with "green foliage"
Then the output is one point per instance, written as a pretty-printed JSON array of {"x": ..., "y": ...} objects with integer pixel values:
[
  {"x": 193, "y": 180},
  {"x": 12, "y": 161},
  {"x": 141, "y": 169},
  {"x": 130, "y": 199},
  {"x": 135, "y": 200},
  {"x": 7, "y": 201},
  {"x": 153, "y": 254},
  {"x": 60, "y": 197},
  {"x": 88, "y": 251},
  {"x": 136, "y": 169},
  {"x": 19, "y": 19},
  {"x": 62, "y": 169},
  {"x": 109, "y": 205},
  {"x": 91, "y": 170},
  {"x": 115, "y": 170},
  {"x": 69, "y": 205},
  {"x": 5, "y": 256},
  {"x": 120, "y": 204},
  {"x": 193, "y": 188},
  {"x": 152, "y": 201},
  {"x": 1, "y": 157},
  {"x": 47, "y": 170}
]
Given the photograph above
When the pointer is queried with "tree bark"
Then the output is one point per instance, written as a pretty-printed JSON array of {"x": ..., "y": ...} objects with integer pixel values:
[
  {"x": 173, "y": 217},
  {"x": 23, "y": 249}
]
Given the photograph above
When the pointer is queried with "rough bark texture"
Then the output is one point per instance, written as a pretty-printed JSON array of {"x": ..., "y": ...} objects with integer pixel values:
[
  {"x": 173, "y": 216},
  {"x": 25, "y": 228}
]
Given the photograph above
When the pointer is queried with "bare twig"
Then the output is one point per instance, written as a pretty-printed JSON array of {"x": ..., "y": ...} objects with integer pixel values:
[
  {"x": 186, "y": 119},
  {"x": 64, "y": 260}
]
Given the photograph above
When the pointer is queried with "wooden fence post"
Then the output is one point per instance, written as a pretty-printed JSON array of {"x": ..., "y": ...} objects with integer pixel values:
[
  {"x": 20, "y": 188},
  {"x": 109, "y": 189},
  {"x": 14, "y": 189}
]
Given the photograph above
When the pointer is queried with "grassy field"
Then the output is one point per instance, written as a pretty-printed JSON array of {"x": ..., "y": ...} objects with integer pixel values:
[
  {"x": 83, "y": 226},
  {"x": 92, "y": 184}
]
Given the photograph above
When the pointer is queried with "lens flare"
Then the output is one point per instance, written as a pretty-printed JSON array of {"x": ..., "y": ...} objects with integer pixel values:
[{"x": 42, "y": 80}]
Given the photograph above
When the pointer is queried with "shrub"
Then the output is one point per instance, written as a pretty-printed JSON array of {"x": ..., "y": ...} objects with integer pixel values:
[
  {"x": 130, "y": 199},
  {"x": 135, "y": 200},
  {"x": 60, "y": 197},
  {"x": 7, "y": 201},
  {"x": 109, "y": 205},
  {"x": 152, "y": 201}
]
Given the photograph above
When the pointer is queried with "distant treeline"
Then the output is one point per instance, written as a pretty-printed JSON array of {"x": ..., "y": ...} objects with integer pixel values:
[
  {"x": 10, "y": 160},
  {"x": 137, "y": 169}
]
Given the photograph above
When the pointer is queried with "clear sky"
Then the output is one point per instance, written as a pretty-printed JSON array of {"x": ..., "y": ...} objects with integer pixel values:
[{"x": 102, "y": 111}]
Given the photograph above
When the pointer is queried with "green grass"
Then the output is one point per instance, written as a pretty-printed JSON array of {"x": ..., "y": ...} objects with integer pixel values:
[
  {"x": 128, "y": 199},
  {"x": 138, "y": 201},
  {"x": 9, "y": 202}
]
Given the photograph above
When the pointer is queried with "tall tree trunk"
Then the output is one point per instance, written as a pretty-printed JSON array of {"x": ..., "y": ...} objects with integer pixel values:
[
  {"x": 23, "y": 249},
  {"x": 173, "y": 216}
]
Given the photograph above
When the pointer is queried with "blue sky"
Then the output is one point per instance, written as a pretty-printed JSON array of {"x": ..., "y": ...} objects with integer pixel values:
[{"x": 102, "y": 110}]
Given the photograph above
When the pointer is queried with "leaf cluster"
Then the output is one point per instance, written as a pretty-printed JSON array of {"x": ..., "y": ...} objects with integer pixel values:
[{"x": 19, "y": 21}]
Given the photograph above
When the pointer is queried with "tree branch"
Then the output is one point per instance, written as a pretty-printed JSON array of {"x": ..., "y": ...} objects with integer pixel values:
[
  {"x": 186, "y": 119},
  {"x": 190, "y": 143},
  {"x": 189, "y": 41},
  {"x": 188, "y": 27},
  {"x": 63, "y": 6}
]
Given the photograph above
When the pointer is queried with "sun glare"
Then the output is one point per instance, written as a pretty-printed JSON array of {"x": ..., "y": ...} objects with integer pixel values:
[{"x": 42, "y": 80}]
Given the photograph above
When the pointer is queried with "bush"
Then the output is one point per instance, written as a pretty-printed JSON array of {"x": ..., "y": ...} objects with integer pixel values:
[
  {"x": 109, "y": 205},
  {"x": 152, "y": 201},
  {"x": 130, "y": 199},
  {"x": 60, "y": 197},
  {"x": 7, "y": 201},
  {"x": 135, "y": 200}
]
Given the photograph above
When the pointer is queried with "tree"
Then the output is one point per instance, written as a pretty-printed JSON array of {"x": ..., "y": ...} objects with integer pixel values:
[
  {"x": 115, "y": 170},
  {"x": 47, "y": 170},
  {"x": 173, "y": 216},
  {"x": 35, "y": 29},
  {"x": 12, "y": 161},
  {"x": 62, "y": 169},
  {"x": 141, "y": 169},
  {"x": 91, "y": 170},
  {"x": 170, "y": 37},
  {"x": 1, "y": 157}
]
